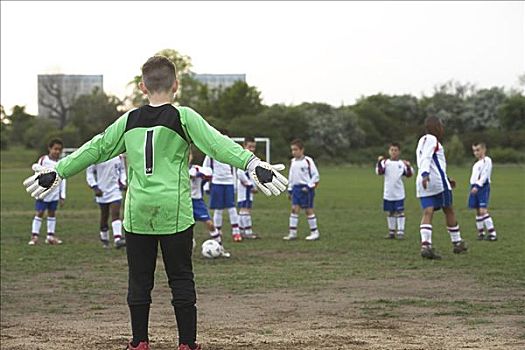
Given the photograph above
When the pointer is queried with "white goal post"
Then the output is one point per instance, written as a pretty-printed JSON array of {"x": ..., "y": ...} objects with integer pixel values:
[{"x": 266, "y": 140}]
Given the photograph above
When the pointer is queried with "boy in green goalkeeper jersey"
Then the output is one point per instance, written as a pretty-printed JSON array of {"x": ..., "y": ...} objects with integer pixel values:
[{"x": 158, "y": 207}]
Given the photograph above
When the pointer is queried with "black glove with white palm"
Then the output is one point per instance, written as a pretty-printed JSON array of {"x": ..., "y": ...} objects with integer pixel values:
[
  {"x": 42, "y": 182},
  {"x": 267, "y": 176}
]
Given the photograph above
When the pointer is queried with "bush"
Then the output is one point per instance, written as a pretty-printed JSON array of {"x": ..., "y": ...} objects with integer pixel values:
[
  {"x": 506, "y": 155},
  {"x": 455, "y": 152}
]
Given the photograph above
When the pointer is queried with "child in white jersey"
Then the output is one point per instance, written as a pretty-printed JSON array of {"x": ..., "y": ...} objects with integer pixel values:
[
  {"x": 199, "y": 175},
  {"x": 222, "y": 194},
  {"x": 480, "y": 192},
  {"x": 50, "y": 203},
  {"x": 107, "y": 180},
  {"x": 393, "y": 170},
  {"x": 303, "y": 179},
  {"x": 434, "y": 188},
  {"x": 245, "y": 191}
]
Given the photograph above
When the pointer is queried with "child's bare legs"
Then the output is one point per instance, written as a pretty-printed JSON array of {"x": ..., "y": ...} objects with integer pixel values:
[
  {"x": 312, "y": 222},
  {"x": 104, "y": 228}
]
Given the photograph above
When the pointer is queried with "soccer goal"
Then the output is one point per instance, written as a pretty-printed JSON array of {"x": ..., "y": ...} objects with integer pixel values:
[{"x": 266, "y": 141}]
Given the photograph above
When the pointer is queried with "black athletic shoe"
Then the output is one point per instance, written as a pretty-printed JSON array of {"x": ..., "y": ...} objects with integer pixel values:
[
  {"x": 120, "y": 243},
  {"x": 428, "y": 252},
  {"x": 390, "y": 236},
  {"x": 459, "y": 247},
  {"x": 105, "y": 243},
  {"x": 481, "y": 237},
  {"x": 491, "y": 238}
]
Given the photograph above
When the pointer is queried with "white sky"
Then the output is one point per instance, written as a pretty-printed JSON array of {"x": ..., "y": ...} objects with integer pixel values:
[{"x": 293, "y": 52}]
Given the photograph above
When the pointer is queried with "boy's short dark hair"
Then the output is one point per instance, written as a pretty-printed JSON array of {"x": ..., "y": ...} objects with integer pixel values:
[
  {"x": 158, "y": 74},
  {"x": 482, "y": 144},
  {"x": 224, "y": 132},
  {"x": 55, "y": 142},
  {"x": 248, "y": 139},
  {"x": 297, "y": 142},
  {"x": 395, "y": 144}
]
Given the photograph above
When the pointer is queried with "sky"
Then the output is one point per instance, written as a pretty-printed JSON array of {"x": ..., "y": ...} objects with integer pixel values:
[{"x": 292, "y": 52}]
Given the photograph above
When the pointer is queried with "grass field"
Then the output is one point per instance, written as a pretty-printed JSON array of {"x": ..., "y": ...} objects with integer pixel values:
[{"x": 350, "y": 290}]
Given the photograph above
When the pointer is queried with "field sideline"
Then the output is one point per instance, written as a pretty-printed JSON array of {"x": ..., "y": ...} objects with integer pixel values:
[{"x": 350, "y": 290}]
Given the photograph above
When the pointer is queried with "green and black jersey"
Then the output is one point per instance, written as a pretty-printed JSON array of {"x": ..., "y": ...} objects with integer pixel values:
[{"x": 157, "y": 141}]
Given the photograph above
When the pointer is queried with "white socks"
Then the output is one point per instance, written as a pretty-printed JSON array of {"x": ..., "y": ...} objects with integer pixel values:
[
  {"x": 479, "y": 225},
  {"x": 312, "y": 222},
  {"x": 217, "y": 219},
  {"x": 426, "y": 234},
  {"x": 401, "y": 224},
  {"x": 487, "y": 221},
  {"x": 391, "y": 221},
  {"x": 104, "y": 235},
  {"x": 117, "y": 229},
  {"x": 294, "y": 221},
  {"x": 455, "y": 235},
  {"x": 51, "y": 224},
  {"x": 37, "y": 223},
  {"x": 216, "y": 235},
  {"x": 234, "y": 220},
  {"x": 245, "y": 223}
]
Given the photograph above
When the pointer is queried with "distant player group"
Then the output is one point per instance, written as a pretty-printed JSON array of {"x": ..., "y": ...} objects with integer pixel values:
[{"x": 434, "y": 190}]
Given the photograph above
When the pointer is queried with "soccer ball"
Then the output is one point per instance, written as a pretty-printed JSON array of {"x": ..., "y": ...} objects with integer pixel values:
[{"x": 211, "y": 249}]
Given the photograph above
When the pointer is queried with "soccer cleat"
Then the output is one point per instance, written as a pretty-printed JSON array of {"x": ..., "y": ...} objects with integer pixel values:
[
  {"x": 120, "y": 243},
  {"x": 53, "y": 240},
  {"x": 187, "y": 347},
  {"x": 491, "y": 238},
  {"x": 250, "y": 236},
  {"x": 390, "y": 236},
  {"x": 481, "y": 237},
  {"x": 105, "y": 243},
  {"x": 224, "y": 253},
  {"x": 290, "y": 237},
  {"x": 400, "y": 236},
  {"x": 459, "y": 247},
  {"x": 143, "y": 345},
  {"x": 237, "y": 237},
  {"x": 313, "y": 236},
  {"x": 428, "y": 252},
  {"x": 33, "y": 240}
]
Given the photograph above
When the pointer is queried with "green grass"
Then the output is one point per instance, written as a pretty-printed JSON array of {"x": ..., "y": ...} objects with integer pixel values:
[{"x": 351, "y": 221}]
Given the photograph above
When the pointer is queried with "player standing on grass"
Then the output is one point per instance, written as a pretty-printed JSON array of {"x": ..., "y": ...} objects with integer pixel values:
[
  {"x": 480, "y": 192},
  {"x": 199, "y": 175},
  {"x": 50, "y": 203},
  {"x": 245, "y": 191},
  {"x": 434, "y": 188},
  {"x": 302, "y": 181},
  {"x": 107, "y": 180},
  {"x": 393, "y": 170},
  {"x": 158, "y": 208}
]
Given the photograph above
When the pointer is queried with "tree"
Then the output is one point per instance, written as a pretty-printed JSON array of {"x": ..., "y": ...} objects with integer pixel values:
[
  {"x": 481, "y": 109},
  {"x": 19, "y": 121},
  {"x": 57, "y": 102},
  {"x": 91, "y": 114},
  {"x": 512, "y": 112},
  {"x": 238, "y": 100},
  {"x": 455, "y": 151},
  {"x": 183, "y": 68}
]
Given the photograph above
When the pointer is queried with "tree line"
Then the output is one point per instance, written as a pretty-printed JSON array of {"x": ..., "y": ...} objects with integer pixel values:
[{"x": 354, "y": 133}]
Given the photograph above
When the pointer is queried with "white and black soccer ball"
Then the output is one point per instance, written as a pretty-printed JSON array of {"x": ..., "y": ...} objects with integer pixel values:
[{"x": 211, "y": 249}]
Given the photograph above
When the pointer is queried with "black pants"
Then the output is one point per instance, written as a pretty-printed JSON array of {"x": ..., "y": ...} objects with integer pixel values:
[{"x": 176, "y": 254}]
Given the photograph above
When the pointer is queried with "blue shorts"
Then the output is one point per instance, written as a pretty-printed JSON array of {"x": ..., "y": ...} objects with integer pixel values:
[
  {"x": 303, "y": 198},
  {"x": 481, "y": 198},
  {"x": 394, "y": 205},
  {"x": 118, "y": 201},
  {"x": 245, "y": 204},
  {"x": 437, "y": 201},
  {"x": 40, "y": 205},
  {"x": 200, "y": 210},
  {"x": 221, "y": 196}
]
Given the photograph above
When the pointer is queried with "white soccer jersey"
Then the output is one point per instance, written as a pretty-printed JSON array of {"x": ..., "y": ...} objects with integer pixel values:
[
  {"x": 481, "y": 172},
  {"x": 108, "y": 176},
  {"x": 60, "y": 191},
  {"x": 223, "y": 174},
  {"x": 198, "y": 174},
  {"x": 303, "y": 172},
  {"x": 393, "y": 171},
  {"x": 431, "y": 161},
  {"x": 244, "y": 186}
]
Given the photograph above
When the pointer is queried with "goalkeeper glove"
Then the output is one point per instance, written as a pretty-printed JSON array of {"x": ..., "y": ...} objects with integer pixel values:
[
  {"x": 42, "y": 182},
  {"x": 267, "y": 176}
]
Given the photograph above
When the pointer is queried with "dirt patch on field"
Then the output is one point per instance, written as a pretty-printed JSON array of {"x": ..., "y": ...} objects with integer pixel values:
[{"x": 397, "y": 313}]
